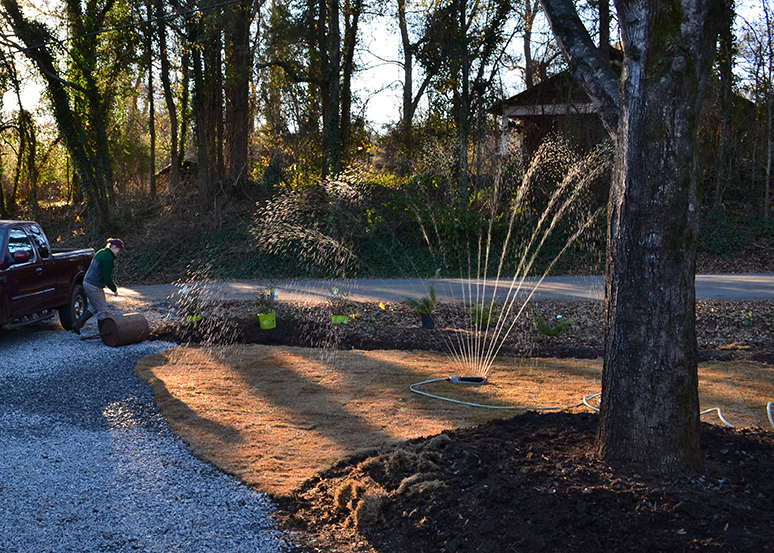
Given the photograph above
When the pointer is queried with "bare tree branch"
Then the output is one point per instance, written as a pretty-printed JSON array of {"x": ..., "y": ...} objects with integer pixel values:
[
  {"x": 289, "y": 70},
  {"x": 587, "y": 63}
]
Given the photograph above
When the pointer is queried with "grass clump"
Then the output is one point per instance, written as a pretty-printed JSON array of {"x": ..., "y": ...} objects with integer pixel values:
[
  {"x": 560, "y": 325},
  {"x": 482, "y": 315},
  {"x": 426, "y": 304}
]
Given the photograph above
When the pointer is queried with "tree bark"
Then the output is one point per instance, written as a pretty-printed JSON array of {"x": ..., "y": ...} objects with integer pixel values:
[
  {"x": 84, "y": 132},
  {"x": 166, "y": 85},
  {"x": 649, "y": 411},
  {"x": 151, "y": 109},
  {"x": 238, "y": 72}
]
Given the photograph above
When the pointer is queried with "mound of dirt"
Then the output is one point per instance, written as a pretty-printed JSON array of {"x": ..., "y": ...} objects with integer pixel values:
[{"x": 532, "y": 483}]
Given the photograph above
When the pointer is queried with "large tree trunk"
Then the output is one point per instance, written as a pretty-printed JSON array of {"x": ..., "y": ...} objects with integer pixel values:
[
  {"x": 650, "y": 410},
  {"x": 650, "y": 404},
  {"x": 238, "y": 71},
  {"x": 650, "y": 392},
  {"x": 174, "y": 156}
]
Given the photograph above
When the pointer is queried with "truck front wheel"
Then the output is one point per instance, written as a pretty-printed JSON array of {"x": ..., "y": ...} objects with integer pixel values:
[{"x": 70, "y": 312}]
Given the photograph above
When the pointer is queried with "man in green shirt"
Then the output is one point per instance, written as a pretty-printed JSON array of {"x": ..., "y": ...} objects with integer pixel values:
[{"x": 99, "y": 276}]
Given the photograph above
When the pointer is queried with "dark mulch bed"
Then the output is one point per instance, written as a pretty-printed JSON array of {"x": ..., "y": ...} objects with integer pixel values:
[
  {"x": 313, "y": 333},
  {"x": 530, "y": 483}
]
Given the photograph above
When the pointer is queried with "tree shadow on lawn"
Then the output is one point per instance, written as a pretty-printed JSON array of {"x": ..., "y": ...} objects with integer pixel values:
[{"x": 297, "y": 411}]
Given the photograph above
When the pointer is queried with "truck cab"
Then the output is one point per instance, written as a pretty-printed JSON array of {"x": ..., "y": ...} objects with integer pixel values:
[{"x": 36, "y": 281}]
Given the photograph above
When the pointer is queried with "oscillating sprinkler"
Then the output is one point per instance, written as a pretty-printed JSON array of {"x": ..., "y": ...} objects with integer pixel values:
[{"x": 474, "y": 380}]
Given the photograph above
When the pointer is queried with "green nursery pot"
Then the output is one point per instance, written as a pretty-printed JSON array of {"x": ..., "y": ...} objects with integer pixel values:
[
  {"x": 267, "y": 320},
  {"x": 340, "y": 319}
]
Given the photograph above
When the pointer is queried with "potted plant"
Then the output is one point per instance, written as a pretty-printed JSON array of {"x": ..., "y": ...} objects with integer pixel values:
[
  {"x": 425, "y": 306},
  {"x": 191, "y": 305},
  {"x": 264, "y": 301},
  {"x": 337, "y": 304}
]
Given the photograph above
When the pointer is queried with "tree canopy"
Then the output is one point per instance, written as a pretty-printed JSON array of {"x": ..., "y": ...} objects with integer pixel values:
[{"x": 250, "y": 91}]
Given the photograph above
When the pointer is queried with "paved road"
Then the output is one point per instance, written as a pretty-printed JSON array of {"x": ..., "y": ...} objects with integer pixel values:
[{"x": 728, "y": 287}]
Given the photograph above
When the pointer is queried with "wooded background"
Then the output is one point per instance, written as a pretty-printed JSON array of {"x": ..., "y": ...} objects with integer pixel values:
[{"x": 169, "y": 121}]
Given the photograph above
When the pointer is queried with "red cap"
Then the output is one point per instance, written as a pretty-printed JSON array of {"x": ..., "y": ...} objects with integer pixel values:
[{"x": 117, "y": 242}]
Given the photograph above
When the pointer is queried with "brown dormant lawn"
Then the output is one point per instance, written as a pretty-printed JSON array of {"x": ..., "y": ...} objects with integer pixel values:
[{"x": 275, "y": 416}]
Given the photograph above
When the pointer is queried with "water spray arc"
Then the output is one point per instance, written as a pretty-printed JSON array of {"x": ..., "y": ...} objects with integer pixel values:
[
  {"x": 473, "y": 354},
  {"x": 494, "y": 318}
]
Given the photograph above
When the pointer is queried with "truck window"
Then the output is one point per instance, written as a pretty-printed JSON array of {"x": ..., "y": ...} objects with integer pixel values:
[
  {"x": 40, "y": 242},
  {"x": 18, "y": 241}
]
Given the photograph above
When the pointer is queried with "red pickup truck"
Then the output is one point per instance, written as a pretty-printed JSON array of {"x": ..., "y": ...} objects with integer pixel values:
[{"x": 36, "y": 280}]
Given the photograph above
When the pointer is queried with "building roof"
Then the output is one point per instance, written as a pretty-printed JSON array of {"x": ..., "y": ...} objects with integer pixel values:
[
  {"x": 557, "y": 95},
  {"x": 560, "y": 94}
]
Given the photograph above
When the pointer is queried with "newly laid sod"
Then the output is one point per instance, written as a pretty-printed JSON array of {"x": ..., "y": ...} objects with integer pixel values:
[{"x": 274, "y": 416}]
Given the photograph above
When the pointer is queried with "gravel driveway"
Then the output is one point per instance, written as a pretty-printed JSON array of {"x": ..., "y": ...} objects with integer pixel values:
[{"x": 88, "y": 464}]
